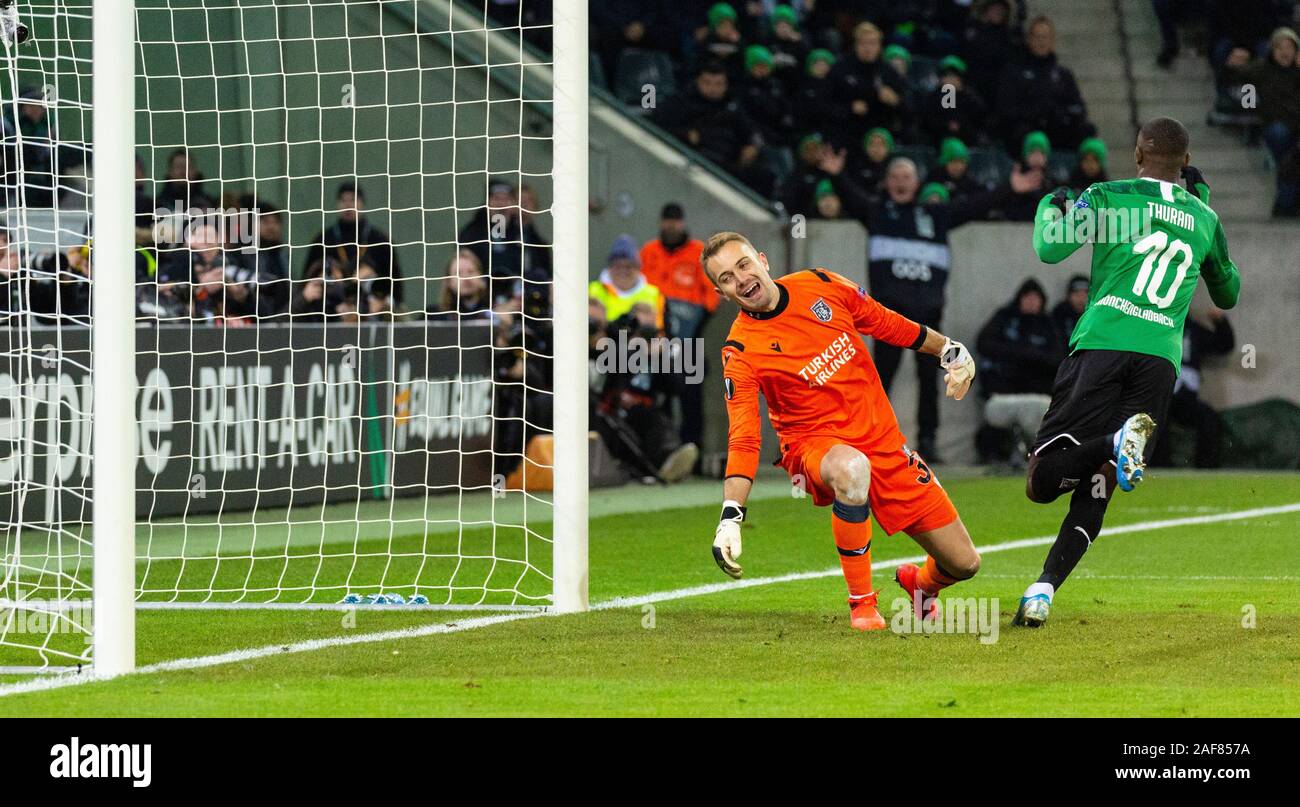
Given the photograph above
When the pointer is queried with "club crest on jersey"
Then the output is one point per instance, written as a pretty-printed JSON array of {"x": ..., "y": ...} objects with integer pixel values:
[{"x": 821, "y": 310}]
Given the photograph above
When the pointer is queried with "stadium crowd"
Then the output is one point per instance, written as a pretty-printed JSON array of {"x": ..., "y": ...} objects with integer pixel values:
[
  {"x": 1252, "y": 49},
  {"x": 965, "y": 90}
]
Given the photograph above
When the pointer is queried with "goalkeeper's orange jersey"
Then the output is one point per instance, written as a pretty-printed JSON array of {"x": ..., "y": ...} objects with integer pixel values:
[{"x": 807, "y": 361}]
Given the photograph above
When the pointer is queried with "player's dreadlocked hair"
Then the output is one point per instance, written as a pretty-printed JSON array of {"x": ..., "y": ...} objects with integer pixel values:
[{"x": 1165, "y": 141}]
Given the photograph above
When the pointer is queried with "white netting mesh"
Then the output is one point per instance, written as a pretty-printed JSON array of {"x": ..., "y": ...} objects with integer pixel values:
[{"x": 343, "y": 301}]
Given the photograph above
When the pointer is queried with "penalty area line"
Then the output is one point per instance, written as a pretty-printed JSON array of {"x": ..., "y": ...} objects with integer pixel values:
[{"x": 252, "y": 654}]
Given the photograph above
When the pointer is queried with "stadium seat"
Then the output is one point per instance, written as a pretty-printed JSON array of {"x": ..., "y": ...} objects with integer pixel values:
[{"x": 637, "y": 68}]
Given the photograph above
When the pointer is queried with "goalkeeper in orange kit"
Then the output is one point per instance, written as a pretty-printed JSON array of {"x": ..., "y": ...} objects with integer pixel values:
[{"x": 796, "y": 342}]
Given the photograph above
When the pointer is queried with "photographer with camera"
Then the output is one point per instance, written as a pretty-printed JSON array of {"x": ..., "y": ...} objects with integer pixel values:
[{"x": 633, "y": 361}]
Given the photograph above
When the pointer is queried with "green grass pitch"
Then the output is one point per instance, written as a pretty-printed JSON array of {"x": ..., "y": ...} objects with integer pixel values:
[{"x": 1196, "y": 620}]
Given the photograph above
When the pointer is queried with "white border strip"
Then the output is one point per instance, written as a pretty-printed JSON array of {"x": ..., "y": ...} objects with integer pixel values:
[{"x": 234, "y": 656}]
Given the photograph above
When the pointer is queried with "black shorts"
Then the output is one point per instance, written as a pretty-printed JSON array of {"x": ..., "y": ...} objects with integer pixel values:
[{"x": 1095, "y": 391}]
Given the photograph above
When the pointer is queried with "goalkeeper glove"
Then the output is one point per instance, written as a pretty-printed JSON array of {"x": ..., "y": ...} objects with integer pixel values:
[
  {"x": 1196, "y": 184},
  {"x": 726, "y": 539},
  {"x": 960, "y": 367}
]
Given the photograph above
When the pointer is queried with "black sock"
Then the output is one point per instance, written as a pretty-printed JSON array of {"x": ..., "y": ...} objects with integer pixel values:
[
  {"x": 1055, "y": 472},
  {"x": 1078, "y": 531}
]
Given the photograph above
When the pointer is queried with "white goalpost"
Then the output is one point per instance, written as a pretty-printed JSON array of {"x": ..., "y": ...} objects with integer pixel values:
[
  {"x": 335, "y": 354},
  {"x": 113, "y": 340},
  {"x": 570, "y": 137}
]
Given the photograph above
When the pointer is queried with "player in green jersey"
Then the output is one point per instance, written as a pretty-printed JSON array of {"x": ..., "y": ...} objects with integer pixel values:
[{"x": 1151, "y": 240}]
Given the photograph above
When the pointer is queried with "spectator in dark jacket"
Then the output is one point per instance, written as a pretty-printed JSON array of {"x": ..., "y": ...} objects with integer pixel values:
[
  {"x": 1038, "y": 93},
  {"x": 1019, "y": 347},
  {"x": 1019, "y": 350},
  {"x": 869, "y": 165},
  {"x": 989, "y": 42},
  {"x": 716, "y": 126},
  {"x": 268, "y": 261},
  {"x": 827, "y": 201},
  {"x": 1035, "y": 151},
  {"x": 722, "y": 42},
  {"x": 354, "y": 238},
  {"x": 798, "y": 188},
  {"x": 618, "y": 25},
  {"x": 954, "y": 109},
  {"x": 30, "y": 123},
  {"x": 509, "y": 247},
  {"x": 814, "y": 100},
  {"x": 952, "y": 170},
  {"x": 764, "y": 99},
  {"x": 869, "y": 91},
  {"x": 1067, "y": 312},
  {"x": 1091, "y": 168},
  {"x": 1213, "y": 337},
  {"x": 788, "y": 45}
]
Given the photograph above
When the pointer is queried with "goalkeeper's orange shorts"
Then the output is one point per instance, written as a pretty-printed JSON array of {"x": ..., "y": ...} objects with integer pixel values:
[{"x": 905, "y": 495}]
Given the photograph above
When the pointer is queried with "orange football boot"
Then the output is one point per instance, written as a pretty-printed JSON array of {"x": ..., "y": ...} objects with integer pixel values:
[
  {"x": 927, "y": 605},
  {"x": 863, "y": 614}
]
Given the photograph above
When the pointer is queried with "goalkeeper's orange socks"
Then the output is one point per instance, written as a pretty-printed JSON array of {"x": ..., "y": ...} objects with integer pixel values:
[{"x": 851, "y": 526}]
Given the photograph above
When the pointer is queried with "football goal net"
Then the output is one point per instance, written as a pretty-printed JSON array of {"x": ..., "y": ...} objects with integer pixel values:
[{"x": 293, "y": 296}]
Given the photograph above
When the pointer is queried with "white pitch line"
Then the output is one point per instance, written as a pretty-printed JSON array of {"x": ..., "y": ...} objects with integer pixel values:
[
  {"x": 235, "y": 656},
  {"x": 250, "y": 654}
]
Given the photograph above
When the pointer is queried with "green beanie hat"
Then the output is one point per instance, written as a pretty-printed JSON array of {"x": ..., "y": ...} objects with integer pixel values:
[
  {"x": 953, "y": 149},
  {"x": 933, "y": 188},
  {"x": 809, "y": 139},
  {"x": 824, "y": 188},
  {"x": 785, "y": 14},
  {"x": 819, "y": 55},
  {"x": 882, "y": 132},
  {"x": 757, "y": 54},
  {"x": 1035, "y": 141},
  {"x": 1096, "y": 148},
  {"x": 952, "y": 64},
  {"x": 897, "y": 52},
  {"x": 719, "y": 12}
]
